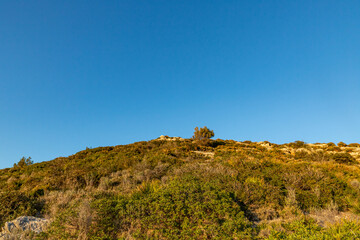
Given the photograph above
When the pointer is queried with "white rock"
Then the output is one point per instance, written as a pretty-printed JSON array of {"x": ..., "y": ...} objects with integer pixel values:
[{"x": 22, "y": 224}]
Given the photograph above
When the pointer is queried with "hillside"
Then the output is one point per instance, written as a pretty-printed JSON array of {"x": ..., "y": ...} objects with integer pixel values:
[{"x": 174, "y": 188}]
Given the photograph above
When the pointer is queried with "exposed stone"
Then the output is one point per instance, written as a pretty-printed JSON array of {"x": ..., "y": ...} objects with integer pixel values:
[
  {"x": 22, "y": 224},
  {"x": 266, "y": 145},
  {"x": 167, "y": 138}
]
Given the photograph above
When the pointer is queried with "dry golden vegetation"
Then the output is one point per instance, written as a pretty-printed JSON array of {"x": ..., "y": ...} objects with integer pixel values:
[{"x": 174, "y": 188}]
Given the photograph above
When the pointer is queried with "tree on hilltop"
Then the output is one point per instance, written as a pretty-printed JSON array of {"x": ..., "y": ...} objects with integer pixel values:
[
  {"x": 24, "y": 162},
  {"x": 203, "y": 133}
]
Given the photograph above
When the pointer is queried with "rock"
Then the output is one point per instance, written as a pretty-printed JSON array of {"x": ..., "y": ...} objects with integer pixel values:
[
  {"x": 162, "y": 137},
  {"x": 167, "y": 138},
  {"x": 22, "y": 224}
]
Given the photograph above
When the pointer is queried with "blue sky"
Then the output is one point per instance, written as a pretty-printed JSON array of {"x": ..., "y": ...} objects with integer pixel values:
[{"x": 77, "y": 74}]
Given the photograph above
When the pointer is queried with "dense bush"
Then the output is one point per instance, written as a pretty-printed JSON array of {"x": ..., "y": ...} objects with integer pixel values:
[
  {"x": 298, "y": 144},
  {"x": 15, "y": 204},
  {"x": 183, "y": 209},
  {"x": 345, "y": 158},
  {"x": 354, "y": 145}
]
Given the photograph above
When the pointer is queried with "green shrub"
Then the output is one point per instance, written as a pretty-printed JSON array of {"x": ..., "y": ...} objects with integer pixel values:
[
  {"x": 184, "y": 209},
  {"x": 297, "y": 144},
  {"x": 354, "y": 145},
  {"x": 15, "y": 204},
  {"x": 345, "y": 158}
]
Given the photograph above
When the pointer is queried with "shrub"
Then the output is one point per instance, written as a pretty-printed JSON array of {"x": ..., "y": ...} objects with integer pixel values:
[
  {"x": 186, "y": 208},
  {"x": 354, "y": 145},
  {"x": 341, "y": 144},
  {"x": 14, "y": 204},
  {"x": 298, "y": 144},
  {"x": 334, "y": 149},
  {"x": 343, "y": 158}
]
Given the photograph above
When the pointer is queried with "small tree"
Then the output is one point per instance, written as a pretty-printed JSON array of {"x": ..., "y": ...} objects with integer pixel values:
[
  {"x": 24, "y": 162},
  {"x": 203, "y": 133}
]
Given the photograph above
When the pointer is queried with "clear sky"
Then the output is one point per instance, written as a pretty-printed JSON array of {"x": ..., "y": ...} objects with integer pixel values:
[{"x": 77, "y": 74}]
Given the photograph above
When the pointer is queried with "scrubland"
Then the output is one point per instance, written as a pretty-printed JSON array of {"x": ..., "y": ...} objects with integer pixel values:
[{"x": 173, "y": 188}]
